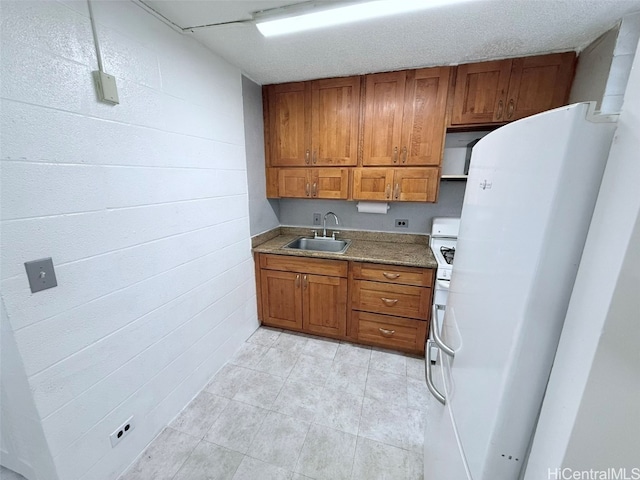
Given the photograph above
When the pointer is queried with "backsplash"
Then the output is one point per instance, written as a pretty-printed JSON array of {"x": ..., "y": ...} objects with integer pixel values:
[{"x": 294, "y": 212}]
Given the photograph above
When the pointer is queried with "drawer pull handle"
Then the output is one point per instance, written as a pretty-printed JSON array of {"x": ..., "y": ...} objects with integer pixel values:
[
  {"x": 385, "y": 332},
  {"x": 389, "y": 302},
  {"x": 298, "y": 281},
  {"x": 391, "y": 276}
]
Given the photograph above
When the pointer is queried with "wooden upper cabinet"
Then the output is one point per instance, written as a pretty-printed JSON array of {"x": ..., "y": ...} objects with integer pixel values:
[
  {"x": 416, "y": 184},
  {"x": 335, "y": 107},
  {"x": 384, "y": 103},
  {"x": 506, "y": 90},
  {"x": 329, "y": 183},
  {"x": 423, "y": 125},
  {"x": 404, "y": 117},
  {"x": 480, "y": 92},
  {"x": 539, "y": 83},
  {"x": 289, "y": 115},
  {"x": 313, "y": 123},
  {"x": 396, "y": 184},
  {"x": 372, "y": 183}
]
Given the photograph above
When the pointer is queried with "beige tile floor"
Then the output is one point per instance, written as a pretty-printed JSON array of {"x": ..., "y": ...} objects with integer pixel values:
[
  {"x": 6, "y": 474},
  {"x": 290, "y": 406},
  {"x": 296, "y": 407}
]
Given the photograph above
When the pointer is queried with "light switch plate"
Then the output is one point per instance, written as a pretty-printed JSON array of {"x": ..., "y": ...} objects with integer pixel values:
[{"x": 41, "y": 274}]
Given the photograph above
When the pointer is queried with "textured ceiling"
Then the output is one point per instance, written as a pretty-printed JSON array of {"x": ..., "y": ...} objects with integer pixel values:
[{"x": 473, "y": 31}]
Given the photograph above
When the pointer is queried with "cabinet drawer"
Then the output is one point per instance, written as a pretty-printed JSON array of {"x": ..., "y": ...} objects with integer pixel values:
[
  {"x": 391, "y": 332},
  {"x": 421, "y": 277},
  {"x": 386, "y": 298},
  {"x": 285, "y": 263}
]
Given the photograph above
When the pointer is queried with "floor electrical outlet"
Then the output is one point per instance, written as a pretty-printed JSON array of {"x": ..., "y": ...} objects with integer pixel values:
[
  {"x": 402, "y": 223},
  {"x": 317, "y": 219},
  {"x": 121, "y": 432}
]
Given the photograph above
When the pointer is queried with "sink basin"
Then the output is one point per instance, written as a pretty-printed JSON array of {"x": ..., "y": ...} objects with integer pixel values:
[{"x": 319, "y": 244}]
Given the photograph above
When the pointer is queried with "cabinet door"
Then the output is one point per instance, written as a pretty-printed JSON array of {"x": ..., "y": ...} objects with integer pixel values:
[
  {"x": 372, "y": 183},
  {"x": 330, "y": 183},
  {"x": 384, "y": 103},
  {"x": 325, "y": 305},
  {"x": 294, "y": 183},
  {"x": 416, "y": 184},
  {"x": 335, "y": 110},
  {"x": 289, "y": 127},
  {"x": 480, "y": 92},
  {"x": 423, "y": 123},
  {"x": 281, "y": 299},
  {"x": 539, "y": 83}
]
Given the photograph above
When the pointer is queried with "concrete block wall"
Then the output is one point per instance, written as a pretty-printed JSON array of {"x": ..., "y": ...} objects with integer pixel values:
[
  {"x": 623, "y": 55},
  {"x": 143, "y": 207}
]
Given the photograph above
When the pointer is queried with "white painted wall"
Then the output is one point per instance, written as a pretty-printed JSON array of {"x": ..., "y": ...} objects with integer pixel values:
[
  {"x": 263, "y": 212},
  {"x": 143, "y": 207},
  {"x": 590, "y": 414},
  {"x": 594, "y": 65},
  {"x": 623, "y": 55},
  {"x": 23, "y": 447}
]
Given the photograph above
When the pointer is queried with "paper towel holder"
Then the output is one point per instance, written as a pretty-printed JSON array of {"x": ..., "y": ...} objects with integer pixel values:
[{"x": 373, "y": 207}]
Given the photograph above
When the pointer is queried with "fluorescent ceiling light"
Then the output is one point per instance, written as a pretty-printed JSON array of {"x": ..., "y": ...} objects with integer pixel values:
[{"x": 347, "y": 14}]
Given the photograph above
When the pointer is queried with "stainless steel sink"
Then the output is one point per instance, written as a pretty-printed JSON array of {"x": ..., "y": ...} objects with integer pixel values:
[{"x": 319, "y": 244}]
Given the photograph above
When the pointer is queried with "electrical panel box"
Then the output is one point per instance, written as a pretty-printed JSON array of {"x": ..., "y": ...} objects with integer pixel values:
[{"x": 106, "y": 87}]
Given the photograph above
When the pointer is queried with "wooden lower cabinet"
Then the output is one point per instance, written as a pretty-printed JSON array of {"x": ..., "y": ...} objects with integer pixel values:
[
  {"x": 303, "y": 294},
  {"x": 325, "y": 305},
  {"x": 391, "y": 305},
  {"x": 374, "y": 304},
  {"x": 390, "y": 332}
]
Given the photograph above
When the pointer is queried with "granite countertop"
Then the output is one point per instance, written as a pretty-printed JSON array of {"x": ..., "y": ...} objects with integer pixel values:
[{"x": 372, "y": 247}]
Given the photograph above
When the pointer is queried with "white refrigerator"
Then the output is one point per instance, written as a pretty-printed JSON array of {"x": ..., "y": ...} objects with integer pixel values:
[{"x": 528, "y": 203}]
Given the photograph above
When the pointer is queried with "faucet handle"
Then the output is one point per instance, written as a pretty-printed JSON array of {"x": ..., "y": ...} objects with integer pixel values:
[
  {"x": 333, "y": 235},
  {"x": 315, "y": 233}
]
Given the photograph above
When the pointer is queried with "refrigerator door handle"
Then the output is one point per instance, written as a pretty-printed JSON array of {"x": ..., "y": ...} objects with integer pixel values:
[
  {"x": 435, "y": 334},
  {"x": 427, "y": 373}
]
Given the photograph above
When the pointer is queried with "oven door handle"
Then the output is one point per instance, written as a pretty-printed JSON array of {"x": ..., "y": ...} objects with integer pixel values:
[
  {"x": 435, "y": 334},
  {"x": 427, "y": 374},
  {"x": 444, "y": 284}
]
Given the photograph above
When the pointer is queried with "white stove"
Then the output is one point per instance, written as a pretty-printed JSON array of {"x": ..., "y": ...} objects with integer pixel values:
[{"x": 444, "y": 235}]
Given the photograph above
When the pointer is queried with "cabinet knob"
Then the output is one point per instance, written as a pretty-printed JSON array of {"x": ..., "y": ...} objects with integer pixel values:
[
  {"x": 306, "y": 156},
  {"x": 395, "y": 155},
  {"x": 404, "y": 154},
  {"x": 396, "y": 191},
  {"x": 499, "y": 112},
  {"x": 315, "y": 157},
  {"x": 314, "y": 190},
  {"x": 306, "y": 190},
  {"x": 388, "y": 190},
  {"x": 511, "y": 108},
  {"x": 385, "y": 332},
  {"x": 391, "y": 276},
  {"x": 298, "y": 281}
]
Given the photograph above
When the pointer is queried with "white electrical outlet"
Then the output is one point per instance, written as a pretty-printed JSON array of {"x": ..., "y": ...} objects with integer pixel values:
[{"x": 121, "y": 432}]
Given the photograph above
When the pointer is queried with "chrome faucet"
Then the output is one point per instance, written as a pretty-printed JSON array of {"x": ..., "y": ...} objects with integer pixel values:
[{"x": 324, "y": 224}]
